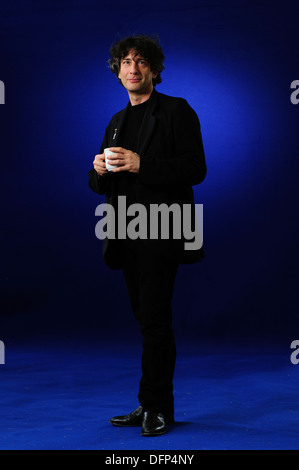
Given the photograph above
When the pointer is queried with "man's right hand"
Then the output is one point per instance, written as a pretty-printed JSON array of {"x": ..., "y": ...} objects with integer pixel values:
[{"x": 99, "y": 164}]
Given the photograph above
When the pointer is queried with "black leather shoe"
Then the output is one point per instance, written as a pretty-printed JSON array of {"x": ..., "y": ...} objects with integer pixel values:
[
  {"x": 132, "y": 419},
  {"x": 153, "y": 424}
]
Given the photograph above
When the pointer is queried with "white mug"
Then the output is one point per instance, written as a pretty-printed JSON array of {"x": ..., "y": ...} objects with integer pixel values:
[{"x": 107, "y": 152}]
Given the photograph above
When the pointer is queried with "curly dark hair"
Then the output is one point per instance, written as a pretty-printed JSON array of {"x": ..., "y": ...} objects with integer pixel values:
[{"x": 148, "y": 47}]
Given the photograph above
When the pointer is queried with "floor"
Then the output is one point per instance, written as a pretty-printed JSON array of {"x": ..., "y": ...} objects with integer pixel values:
[{"x": 59, "y": 393}]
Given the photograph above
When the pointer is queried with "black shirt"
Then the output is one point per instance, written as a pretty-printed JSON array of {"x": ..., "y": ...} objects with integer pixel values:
[
  {"x": 131, "y": 128},
  {"x": 129, "y": 140}
]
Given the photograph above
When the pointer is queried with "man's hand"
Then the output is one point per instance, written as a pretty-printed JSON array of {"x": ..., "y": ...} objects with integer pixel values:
[
  {"x": 126, "y": 160},
  {"x": 99, "y": 164}
]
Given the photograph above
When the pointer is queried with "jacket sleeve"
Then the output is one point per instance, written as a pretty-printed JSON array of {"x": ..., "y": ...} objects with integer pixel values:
[
  {"x": 187, "y": 165},
  {"x": 100, "y": 184}
]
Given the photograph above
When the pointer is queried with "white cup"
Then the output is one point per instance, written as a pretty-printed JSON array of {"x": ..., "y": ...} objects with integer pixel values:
[{"x": 107, "y": 152}]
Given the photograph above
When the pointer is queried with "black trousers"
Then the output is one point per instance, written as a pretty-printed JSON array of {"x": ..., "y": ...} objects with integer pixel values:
[{"x": 150, "y": 285}]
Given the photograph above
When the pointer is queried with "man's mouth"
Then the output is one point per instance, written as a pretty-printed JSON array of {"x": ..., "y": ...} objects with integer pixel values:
[{"x": 134, "y": 80}]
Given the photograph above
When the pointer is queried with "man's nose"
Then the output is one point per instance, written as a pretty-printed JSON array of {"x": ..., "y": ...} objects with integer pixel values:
[{"x": 134, "y": 67}]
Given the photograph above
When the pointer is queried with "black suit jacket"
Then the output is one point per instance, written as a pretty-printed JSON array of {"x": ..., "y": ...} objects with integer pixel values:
[{"x": 172, "y": 160}]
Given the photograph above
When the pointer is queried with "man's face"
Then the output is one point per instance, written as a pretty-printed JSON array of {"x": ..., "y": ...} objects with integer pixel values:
[{"x": 135, "y": 74}]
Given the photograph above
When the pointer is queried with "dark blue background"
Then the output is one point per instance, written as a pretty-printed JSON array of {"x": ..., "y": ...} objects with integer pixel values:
[{"x": 234, "y": 62}]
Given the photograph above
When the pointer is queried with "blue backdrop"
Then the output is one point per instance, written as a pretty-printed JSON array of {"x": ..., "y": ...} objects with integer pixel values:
[{"x": 234, "y": 62}]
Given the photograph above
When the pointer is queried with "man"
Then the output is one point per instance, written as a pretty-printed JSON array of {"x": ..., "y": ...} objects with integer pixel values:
[{"x": 158, "y": 155}]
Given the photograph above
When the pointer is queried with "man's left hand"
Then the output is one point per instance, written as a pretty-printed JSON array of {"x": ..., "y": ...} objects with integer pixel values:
[{"x": 126, "y": 160}]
